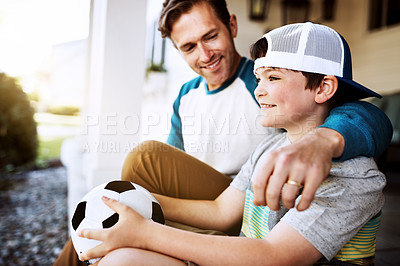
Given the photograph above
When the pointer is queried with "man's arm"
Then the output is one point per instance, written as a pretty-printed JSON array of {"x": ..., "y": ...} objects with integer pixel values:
[
  {"x": 175, "y": 135},
  {"x": 356, "y": 128},
  {"x": 366, "y": 129}
]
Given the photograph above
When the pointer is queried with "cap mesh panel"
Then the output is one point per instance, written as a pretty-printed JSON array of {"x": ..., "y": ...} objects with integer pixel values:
[
  {"x": 328, "y": 45},
  {"x": 288, "y": 39}
]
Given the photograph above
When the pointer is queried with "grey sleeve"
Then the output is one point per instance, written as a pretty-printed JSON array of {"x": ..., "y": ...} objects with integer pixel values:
[
  {"x": 242, "y": 179},
  {"x": 272, "y": 141},
  {"x": 342, "y": 205}
]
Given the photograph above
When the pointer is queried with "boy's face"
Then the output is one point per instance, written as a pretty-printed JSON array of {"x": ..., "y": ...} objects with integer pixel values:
[
  {"x": 206, "y": 44},
  {"x": 284, "y": 101}
]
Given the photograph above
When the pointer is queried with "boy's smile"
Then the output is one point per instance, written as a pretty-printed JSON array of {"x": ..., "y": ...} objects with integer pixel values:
[
  {"x": 284, "y": 100},
  {"x": 264, "y": 106}
]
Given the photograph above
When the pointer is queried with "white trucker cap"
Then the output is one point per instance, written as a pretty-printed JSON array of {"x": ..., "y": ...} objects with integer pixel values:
[{"x": 313, "y": 48}]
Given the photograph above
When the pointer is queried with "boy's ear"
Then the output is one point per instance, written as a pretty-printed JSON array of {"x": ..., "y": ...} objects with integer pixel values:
[{"x": 327, "y": 89}]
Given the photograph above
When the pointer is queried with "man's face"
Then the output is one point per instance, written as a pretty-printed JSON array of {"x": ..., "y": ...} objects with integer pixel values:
[{"x": 206, "y": 44}]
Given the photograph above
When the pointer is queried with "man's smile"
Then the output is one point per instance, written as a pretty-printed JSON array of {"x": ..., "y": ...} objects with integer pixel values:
[{"x": 213, "y": 65}]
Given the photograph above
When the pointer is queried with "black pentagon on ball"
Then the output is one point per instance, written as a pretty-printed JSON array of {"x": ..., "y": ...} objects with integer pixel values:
[
  {"x": 79, "y": 215},
  {"x": 157, "y": 215},
  {"x": 110, "y": 221},
  {"x": 120, "y": 186}
]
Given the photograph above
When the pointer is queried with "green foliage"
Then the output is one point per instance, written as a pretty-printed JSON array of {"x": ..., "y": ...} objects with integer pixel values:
[
  {"x": 49, "y": 148},
  {"x": 34, "y": 96},
  {"x": 64, "y": 110},
  {"x": 18, "y": 134}
]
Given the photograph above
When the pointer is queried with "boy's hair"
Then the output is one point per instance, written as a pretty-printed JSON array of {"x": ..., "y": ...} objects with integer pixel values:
[
  {"x": 173, "y": 9},
  {"x": 259, "y": 49}
]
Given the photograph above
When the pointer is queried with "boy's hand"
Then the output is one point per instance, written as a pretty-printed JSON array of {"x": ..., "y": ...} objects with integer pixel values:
[
  {"x": 118, "y": 236},
  {"x": 306, "y": 162}
]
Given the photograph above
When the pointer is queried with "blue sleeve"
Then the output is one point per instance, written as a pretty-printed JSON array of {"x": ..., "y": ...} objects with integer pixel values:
[
  {"x": 366, "y": 129},
  {"x": 175, "y": 135}
]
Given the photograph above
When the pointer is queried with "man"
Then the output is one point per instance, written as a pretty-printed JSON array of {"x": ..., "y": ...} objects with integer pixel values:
[{"x": 203, "y": 32}]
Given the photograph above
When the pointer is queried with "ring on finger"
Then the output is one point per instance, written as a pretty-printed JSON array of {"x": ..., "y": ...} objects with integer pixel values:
[{"x": 292, "y": 182}]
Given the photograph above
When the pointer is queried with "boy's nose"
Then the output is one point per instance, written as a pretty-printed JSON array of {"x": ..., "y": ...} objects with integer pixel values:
[{"x": 260, "y": 91}]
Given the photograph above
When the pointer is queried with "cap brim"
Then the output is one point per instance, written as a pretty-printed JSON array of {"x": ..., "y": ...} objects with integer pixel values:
[{"x": 356, "y": 90}]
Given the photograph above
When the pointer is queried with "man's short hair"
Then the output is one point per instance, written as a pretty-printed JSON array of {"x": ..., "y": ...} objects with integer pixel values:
[{"x": 173, "y": 9}]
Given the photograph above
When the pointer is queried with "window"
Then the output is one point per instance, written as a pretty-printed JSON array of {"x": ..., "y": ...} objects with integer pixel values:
[
  {"x": 383, "y": 13},
  {"x": 157, "y": 54}
]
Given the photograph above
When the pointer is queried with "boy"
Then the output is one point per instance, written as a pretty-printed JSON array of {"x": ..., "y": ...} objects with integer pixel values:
[{"x": 304, "y": 70}]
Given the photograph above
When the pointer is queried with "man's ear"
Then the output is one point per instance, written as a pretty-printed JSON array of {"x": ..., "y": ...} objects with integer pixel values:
[
  {"x": 326, "y": 89},
  {"x": 233, "y": 26}
]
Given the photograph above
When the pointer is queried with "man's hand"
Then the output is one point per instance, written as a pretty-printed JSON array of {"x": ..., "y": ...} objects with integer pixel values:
[
  {"x": 306, "y": 162},
  {"x": 117, "y": 236}
]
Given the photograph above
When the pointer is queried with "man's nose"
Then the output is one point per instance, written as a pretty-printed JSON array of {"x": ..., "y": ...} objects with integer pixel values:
[{"x": 205, "y": 53}]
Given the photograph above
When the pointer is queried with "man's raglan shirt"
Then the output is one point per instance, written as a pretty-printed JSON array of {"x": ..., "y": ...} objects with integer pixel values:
[{"x": 220, "y": 127}]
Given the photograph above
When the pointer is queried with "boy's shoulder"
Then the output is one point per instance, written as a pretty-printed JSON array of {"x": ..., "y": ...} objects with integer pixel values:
[
  {"x": 357, "y": 167},
  {"x": 275, "y": 139}
]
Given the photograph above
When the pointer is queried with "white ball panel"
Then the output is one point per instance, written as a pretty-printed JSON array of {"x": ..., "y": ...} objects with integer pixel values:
[
  {"x": 137, "y": 200},
  {"x": 95, "y": 207},
  {"x": 82, "y": 244}
]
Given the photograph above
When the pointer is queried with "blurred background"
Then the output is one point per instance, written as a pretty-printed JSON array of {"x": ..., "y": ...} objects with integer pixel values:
[
  {"x": 65, "y": 59},
  {"x": 82, "y": 82}
]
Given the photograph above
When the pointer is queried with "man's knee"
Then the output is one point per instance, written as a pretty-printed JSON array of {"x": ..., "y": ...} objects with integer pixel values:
[
  {"x": 145, "y": 151},
  {"x": 146, "y": 148}
]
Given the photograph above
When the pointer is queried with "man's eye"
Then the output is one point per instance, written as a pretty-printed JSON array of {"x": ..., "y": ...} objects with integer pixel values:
[
  {"x": 272, "y": 78},
  {"x": 211, "y": 37},
  {"x": 188, "y": 49},
  {"x": 258, "y": 80}
]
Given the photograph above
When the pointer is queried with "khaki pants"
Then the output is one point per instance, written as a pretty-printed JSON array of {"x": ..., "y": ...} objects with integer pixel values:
[{"x": 165, "y": 170}]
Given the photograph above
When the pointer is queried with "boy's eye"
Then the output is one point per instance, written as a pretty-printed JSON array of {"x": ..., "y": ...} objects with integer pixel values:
[{"x": 272, "y": 78}]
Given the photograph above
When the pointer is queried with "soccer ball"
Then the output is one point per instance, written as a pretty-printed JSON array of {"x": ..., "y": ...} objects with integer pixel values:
[{"x": 91, "y": 212}]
